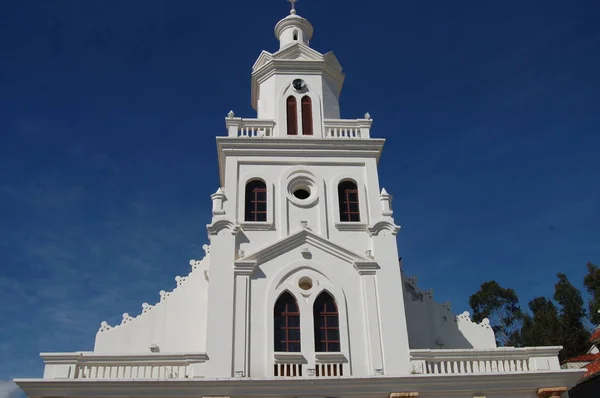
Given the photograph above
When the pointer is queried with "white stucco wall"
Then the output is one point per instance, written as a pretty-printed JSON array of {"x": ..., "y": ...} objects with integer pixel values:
[
  {"x": 177, "y": 323},
  {"x": 433, "y": 325}
]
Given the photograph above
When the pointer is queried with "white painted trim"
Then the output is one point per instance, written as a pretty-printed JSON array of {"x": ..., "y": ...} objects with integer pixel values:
[{"x": 439, "y": 386}]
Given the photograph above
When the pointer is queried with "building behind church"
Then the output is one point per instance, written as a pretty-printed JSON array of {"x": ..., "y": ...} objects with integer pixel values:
[{"x": 301, "y": 291}]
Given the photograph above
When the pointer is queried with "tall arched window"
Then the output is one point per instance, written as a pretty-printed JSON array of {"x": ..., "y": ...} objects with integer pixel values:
[
  {"x": 348, "y": 200},
  {"x": 307, "y": 120},
  {"x": 256, "y": 201},
  {"x": 287, "y": 324},
  {"x": 292, "y": 116},
  {"x": 327, "y": 326}
]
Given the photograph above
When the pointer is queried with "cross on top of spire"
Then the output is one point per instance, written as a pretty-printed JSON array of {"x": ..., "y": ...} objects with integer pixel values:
[{"x": 293, "y": 3}]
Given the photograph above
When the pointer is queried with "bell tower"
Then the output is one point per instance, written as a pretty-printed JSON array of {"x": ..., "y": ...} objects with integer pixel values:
[
  {"x": 297, "y": 87},
  {"x": 308, "y": 230}
]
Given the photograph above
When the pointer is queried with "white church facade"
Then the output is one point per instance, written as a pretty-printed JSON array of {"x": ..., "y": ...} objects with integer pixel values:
[{"x": 301, "y": 291}]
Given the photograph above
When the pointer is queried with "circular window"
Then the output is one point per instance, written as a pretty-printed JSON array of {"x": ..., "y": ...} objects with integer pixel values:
[
  {"x": 305, "y": 283},
  {"x": 302, "y": 193},
  {"x": 302, "y": 190}
]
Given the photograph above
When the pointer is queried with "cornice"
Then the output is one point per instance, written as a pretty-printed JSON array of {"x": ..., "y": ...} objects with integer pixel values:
[
  {"x": 244, "y": 267},
  {"x": 454, "y": 385},
  {"x": 294, "y": 50},
  {"x": 366, "y": 267},
  {"x": 297, "y": 147}
]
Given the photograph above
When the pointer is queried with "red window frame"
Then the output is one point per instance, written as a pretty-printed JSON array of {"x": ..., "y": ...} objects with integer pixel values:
[
  {"x": 286, "y": 316},
  {"x": 348, "y": 199},
  {"x": 292, "y": 116},
  {"x": 307, "y": 120},
  {"x": 256, "y": 195},
  {"x": 327, "y": 323}
]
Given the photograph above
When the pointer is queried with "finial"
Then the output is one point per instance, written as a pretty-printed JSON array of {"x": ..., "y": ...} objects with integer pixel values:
[{"x": 293, "y": 2}]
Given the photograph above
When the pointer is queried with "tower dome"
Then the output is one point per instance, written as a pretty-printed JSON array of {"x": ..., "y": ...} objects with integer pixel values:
[{"x": 292, "y": 29}]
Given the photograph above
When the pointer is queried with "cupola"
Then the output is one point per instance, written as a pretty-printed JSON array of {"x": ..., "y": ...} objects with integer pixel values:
[{"x": 293, "y": 29}]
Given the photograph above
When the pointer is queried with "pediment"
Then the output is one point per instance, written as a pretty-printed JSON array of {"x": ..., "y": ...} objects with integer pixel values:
[
  {"x": 262, "y": 60},
  {"x": 298, "y": 51},
  {"x": 306, "y": 237}
]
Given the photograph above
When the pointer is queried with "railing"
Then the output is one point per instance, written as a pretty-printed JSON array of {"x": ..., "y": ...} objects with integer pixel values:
[
  {"x": 288, "y": 370},
  {"x": 238, "y": 127},
  {"x": 295, "y": 365},
  {"x": 498, "y": 360},
  {"x": 102, "y": 367},
  {"x": 329, "y": 369},
  {"x": 101, "y": 371},
  {"x": 357, "y": 128}
]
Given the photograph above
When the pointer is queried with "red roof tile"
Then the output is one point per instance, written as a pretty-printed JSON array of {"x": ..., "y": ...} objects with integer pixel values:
[
  {"x": 595, "y": 336},
  {"x": 593, "y": 369},
  {"x": 584, "y": 358}
]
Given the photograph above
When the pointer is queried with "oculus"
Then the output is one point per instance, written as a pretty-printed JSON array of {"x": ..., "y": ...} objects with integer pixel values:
[{"x": 298, "y": 84}]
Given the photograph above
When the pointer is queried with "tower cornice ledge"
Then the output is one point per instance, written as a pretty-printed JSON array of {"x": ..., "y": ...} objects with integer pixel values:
[{"x": 278, "y": 148}]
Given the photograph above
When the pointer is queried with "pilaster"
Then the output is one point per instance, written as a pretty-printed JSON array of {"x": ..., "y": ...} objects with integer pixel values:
[
  {"x": 371, "y": 312},
  {"x": 241, "y": 347},
  {"x": 220, "y": 339}
]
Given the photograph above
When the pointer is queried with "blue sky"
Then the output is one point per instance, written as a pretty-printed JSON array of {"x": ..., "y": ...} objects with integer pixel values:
[{"x": 108, "y": 113}]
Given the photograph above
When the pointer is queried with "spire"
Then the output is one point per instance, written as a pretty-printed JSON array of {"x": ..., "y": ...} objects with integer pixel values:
[
  {"x": 293, "y": 3},
  {"x": 293, "y": 29}
]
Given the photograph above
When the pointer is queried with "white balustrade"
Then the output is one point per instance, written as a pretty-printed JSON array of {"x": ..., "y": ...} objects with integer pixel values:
[
  {"x": 122, "y": 367},
  {"x": 471, "y": 361},
  {"x": 131, "y": 371},
  {"x": 357, "y": 128},
  {"x": 288, "y": 370},
  {"x": 329, "y": 369},
  {"x": 238, "y": 127}
]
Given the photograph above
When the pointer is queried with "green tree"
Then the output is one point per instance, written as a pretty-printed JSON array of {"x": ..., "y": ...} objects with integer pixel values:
[
  {"x": 573, "y": 334},
  {"x": 542, "y": 326},
  {"x": 501, "y": 306},
  {"x": 592, "y": 284}
]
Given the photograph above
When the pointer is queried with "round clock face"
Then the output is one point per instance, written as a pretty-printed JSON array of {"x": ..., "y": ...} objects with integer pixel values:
[{"x": 298, "y": 84}]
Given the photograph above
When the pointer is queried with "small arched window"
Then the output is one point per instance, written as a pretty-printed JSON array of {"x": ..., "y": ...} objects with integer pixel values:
[
  {"x": 348, "y": 200},
  {"x": 295, "y": 35},
  {"x": 292, "y": 116},
  {"x": 327, "y": 325},
  {"x": 287, "y": 324},
  {"x": 256, "y": 201},
  {"x": 307, "y": 120}
]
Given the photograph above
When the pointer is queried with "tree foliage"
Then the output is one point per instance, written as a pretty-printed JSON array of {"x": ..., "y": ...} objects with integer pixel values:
[
  {"x": 540, "y": 328},
  {"x": 557, "y": 322},
  {"x": 572, "y": 314},
  {"x": 501, "y": 306},
  {"x": 592, "y": 284}
]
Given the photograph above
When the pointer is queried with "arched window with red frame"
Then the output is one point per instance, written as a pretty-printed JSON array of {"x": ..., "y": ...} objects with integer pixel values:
[
  {"x": 348, "y": 201},
  {"x": 256, "y": 201},
  {"x": 307, "y": 119},
  {"x": 292, "y": 116},
  {"x": 286, "y": 316},
  {"x": 327, "y": 325}
]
